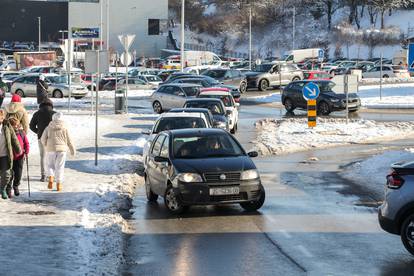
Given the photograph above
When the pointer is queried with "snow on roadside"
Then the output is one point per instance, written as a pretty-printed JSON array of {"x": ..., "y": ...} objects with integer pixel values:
[
  {"x": 278, "y": 136},
  {"x": 373, "y": 170},
  {"x": 393, "y": 96},
  {"x": 131, "y": 93}
]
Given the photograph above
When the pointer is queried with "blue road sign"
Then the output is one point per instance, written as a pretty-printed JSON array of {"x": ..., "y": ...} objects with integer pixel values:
[
  {"x": 311, "y": 91},
  {"x": 321, "y": 55},
  {"x": 411, "y": 57}
]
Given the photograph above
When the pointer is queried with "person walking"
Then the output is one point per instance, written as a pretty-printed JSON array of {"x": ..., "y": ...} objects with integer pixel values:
[
  {"x": 41, "y": 90},
  {"x": 18, "y": 159},
  {"x": 15, "y": 109},
  {"x": 3, "y": 90},
  {"x": 56, "y": 140},
  {"x": 39, "y": 122},
  {"x": 9, "y": 145}
]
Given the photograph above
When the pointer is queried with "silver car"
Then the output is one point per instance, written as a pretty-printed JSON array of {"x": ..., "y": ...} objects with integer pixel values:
[
  {"x": 173, "y": 95},
  {"x": 25, "y": 86},
  {"x": 135, "y": 84},
  {"x": 396, "y": 214}
]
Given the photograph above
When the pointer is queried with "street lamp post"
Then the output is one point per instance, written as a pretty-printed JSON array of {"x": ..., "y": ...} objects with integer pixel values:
[
  {"x": 39, "y": 21},
  {"x": 294, "y": 28},
  {"x": 250, "y": 37},
  {"x": 182, "y": 33},
  {"x": 107, "y": 25}
]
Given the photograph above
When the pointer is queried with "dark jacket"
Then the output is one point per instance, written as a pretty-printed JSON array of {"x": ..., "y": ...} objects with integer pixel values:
[
  {"x": 12, "y": 143},
  {"x": 41, "y": 91},
  {"x": 42, "y": 118}
]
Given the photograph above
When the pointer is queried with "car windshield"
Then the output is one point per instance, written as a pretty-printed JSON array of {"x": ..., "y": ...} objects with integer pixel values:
[
  {"x": 191, "y": 91},
  {"x": 226, "y": 99},
  {"x": 326, "y": 86},
  {"x": 200, "y": 147},
  {"x": 153, "y": 78},
  {"x": 215, "y": 107},
  {"x": 10, "y": 76},
  {"x": 58, "y": 79},
  {"x": 179, "y": 123},
  {"x": 217, "y": 74},
  {"x": 263, "y": 67}
]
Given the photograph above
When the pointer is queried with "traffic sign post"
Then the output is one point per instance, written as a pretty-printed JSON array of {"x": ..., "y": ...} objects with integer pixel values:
[
  {"x": 411, "y": 57},
  {"x": 126, "y": 41},
  {"x": 321, "y": 55},
  {"x": 311, "y": 92}
]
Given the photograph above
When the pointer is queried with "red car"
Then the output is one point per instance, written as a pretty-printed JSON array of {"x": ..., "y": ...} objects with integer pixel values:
[{"x": 316, "y": 75}]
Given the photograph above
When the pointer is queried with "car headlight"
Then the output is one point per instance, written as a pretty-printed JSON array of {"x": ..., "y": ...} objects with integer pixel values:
[
  {"x": 222, "y": 125},
  {"x": 249, "y": 175},
  {"x": 335, "y": 100},
  {"x": 189, "y": 177}
]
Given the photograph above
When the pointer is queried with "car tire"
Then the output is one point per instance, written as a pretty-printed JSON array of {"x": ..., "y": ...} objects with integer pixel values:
[
  {"x": 385, "y": 76},
  {"x": 20, "y": 93},
  {"x": 172, "y": 203},
  {"x": 289, "y": 105},
  {"x": 353, "y": 111},
  {"x": 57, "y": 94},
  {"x": 296, "y": 78},
  {"x": 151, "y": 197},
  {"x": 407, "y": 237},
  {"x": 78, "y": 97},
  {"x": 263, "y": 85},
  {"x": 252, "y": 206},
  {"x": 234, "y": 130},
  {"x": 157, "y": 107},
  {"x": 243, "y": 87},
  {"x": 323, "y": 109}
]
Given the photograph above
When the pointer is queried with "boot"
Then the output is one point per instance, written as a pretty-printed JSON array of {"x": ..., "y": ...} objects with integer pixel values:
[
  {"x": 50, "y": 184},
  {"x": 4, "y": 194},
  {"x": 8, "y": 192},
  {"x": 59, "y": 187},
  {"x": 43, "y": 178},
  {"x": 16, "y": 190}
]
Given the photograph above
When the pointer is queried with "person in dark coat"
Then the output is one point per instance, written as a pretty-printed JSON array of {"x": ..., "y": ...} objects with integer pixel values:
[
  {"x": 41, "y": 90},
  {"x": 38, "y": 124}
]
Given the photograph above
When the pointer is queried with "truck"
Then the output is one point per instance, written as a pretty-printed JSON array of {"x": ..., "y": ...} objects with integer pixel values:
[
  {"x": 191, "y": 59},
  {"x": 29, "y": 59},
  {"x": 296, "y": 56}
]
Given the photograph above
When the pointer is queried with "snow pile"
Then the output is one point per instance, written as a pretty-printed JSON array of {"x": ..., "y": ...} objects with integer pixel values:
[
  {"x": 131, "y": 93},
  {"x": 292, "y": 135}
]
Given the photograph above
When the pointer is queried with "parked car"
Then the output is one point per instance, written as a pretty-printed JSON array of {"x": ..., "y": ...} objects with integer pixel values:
[
  {"x": 216, "y": 107},
  {"x": 230, "y": 105},
  {"x": 8, "y": 77},
  {"x": 39, "y": 69},
  {"x": 202, "y": 167},
  {"x": 388, "y": 71},
  {"x": 316, "y": 75},
  {"x": 273, "y": 74},
  {"x": 327, "y": 102},
  {"x": 25, "y": 86},
  {"x": 207, "y": 113},
  {"x": 173, "y": 95},
  {"x": 135, "y": 84},
  {"x": 8, "y": 65},
  {"x": 231, "y": 77},
  {"x": 164, "y": 74},
  {"x": 171, "y": 121},
  {"x": 396, "y": 214},
  {"x": 151, "y": 79}
]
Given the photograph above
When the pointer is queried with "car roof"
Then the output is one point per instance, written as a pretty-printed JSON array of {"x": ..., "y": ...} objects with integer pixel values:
[
  {"x": 191, "y": 109},
  {"x": 181, "y": 115},
  {"x": 181, "y": 84},
  {"x": 217, "y": 93},
  {"x": 38, "y": 74},
  {"x": 189, "y": 132},
  {"x": 204, "y": 100}
]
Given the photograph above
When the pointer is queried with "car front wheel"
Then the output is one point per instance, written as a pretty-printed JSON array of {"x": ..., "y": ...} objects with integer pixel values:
[
  {"x": 323, "y": 108},
  {"x": 243, "y": 87},
  {"x": 263, "y": 85},
  {"x": 289, "y": 106},
  {"x": 254, "y": 205},
  {"x": 172, "y": 202},
  {"x": 157, "y": 107},
  {"x": 407, "y": 234}
]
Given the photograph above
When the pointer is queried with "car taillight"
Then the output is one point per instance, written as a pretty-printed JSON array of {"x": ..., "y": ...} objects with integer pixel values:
[{"x": 394, "y": 180}]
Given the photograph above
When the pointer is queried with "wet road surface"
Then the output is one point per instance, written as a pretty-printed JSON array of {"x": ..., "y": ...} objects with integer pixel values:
[{"x": 313, "y": 222}]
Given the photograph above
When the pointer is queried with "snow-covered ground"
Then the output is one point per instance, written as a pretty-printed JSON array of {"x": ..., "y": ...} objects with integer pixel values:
[
  {"x": 373, "y": 170},
  {"x": 292, "y": 135},
  {"x": 80, "y": 230}
]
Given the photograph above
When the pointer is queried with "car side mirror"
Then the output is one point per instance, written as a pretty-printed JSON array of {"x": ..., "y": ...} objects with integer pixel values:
[
  {"x": 160, "y": 159},
  {"x": 253, "y": 154},
  {"x": 146, "y": 132}
]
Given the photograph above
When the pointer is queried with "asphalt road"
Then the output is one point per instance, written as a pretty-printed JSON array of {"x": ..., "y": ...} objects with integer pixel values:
[{"x": 313, "y": 222}]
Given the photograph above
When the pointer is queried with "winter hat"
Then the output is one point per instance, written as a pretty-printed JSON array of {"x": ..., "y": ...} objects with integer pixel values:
[
  {"x": 57, "y": 116},
  {"x": 16, "y": 99}
]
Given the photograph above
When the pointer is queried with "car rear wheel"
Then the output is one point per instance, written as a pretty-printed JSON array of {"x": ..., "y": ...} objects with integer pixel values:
[
  {"x": 78, "y": 97},
  {"x": 234, "y": 130},
  {"x": 296, "y": 79},
  {"x": 157, "y": 107},
  {"x": 172, "y": 202},
  {"x": 243, "y": 87},
  {"x": 254, "y": 205},
  {"x": 263, "y": 85},
  {"x": 20, "y": 93},
  {"x": 407, "y": 234},
  {"x": 57, "y": 94},
  {"x": 385, "y": 76},
  {"x": 150, "y": 195},
  {"x": 323, "y": 108},
  {"x": 289, "y": 106}
]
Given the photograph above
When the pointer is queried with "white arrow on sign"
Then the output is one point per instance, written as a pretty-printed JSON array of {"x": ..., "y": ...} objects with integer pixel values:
[
  {"x": 312, "y": 91},
  {"x": 126, "y": 41},
  {"x": 126, "y": 58}
]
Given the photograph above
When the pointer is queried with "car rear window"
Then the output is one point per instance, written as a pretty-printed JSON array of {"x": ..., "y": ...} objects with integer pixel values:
[
  {"x": 179, "y": 123},
  {"x": 214, "y": 107},
  {"x": 191, "y": 91},
  {"x": 225, "y": 99}
]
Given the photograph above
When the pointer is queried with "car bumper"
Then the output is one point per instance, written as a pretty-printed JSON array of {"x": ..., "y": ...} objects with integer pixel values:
[
  {"x": 387, "y": 224},
  {"x": 199, "y": 193},
  {"x": 342, "y": 106}
]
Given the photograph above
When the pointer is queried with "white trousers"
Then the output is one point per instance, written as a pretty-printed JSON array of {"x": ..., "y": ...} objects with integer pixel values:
[{"x": 56, "y": 165}]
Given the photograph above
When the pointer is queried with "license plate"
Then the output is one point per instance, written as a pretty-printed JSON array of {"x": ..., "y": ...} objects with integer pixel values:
[{"x": 224, "y": 191}]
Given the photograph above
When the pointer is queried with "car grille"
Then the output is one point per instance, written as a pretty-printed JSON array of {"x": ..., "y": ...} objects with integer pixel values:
[
  {"x": 255, "y": 193},
  {"x": 215, "y": 177},
  {"x": 241, "y": 196}
]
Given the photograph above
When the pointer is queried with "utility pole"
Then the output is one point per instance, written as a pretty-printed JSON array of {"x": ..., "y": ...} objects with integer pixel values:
[
  {"x": 39, "y": 20},
  {"x": 182, "y": 34},
  {"x": 107, "y": 25},
  {"x": 250, "y": 36},
  {"x": 294, "y": 28}
]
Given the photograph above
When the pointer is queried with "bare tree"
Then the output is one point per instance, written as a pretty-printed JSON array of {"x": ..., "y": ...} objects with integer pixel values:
[{"x": 383, "y": 5}]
